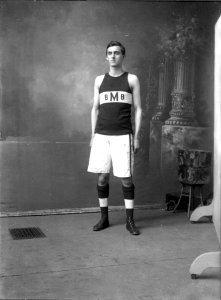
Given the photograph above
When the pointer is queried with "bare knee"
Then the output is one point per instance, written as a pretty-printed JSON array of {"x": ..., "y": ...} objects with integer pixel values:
[
  {"x": 103, "y": 179},
  {"x": 127, "y": 181}
]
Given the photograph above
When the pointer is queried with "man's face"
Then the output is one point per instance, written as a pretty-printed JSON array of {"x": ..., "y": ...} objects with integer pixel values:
[{"x": 114, "y": 56}]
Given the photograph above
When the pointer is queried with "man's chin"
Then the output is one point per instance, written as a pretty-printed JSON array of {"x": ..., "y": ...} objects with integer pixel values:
[{"x": 114, "y": 64}]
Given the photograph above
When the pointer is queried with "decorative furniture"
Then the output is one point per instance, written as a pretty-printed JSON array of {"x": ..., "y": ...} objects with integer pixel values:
[{"x": 194, "y": 171}]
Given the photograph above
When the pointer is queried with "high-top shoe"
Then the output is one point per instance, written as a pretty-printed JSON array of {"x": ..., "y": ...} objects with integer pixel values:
[
  {"x": 131, "y": 227},
  {"x": 102, "y": 224},
  {"x": 104, "y": 221}
]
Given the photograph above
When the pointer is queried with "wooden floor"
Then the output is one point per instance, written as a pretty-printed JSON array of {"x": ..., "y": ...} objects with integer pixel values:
[{"x": 73, "y": 262}]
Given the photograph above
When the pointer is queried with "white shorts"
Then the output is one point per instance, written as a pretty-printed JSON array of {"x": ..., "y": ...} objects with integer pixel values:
[{"x": 112, "y": 151}]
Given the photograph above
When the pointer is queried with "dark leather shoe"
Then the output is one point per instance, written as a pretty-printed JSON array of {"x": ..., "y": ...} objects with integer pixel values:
[
  {"x": 102, "y": 224},
  {"x": 131, "y": 227}
]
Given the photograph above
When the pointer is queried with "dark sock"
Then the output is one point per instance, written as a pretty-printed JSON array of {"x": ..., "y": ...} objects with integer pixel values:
[
  {"x": 128, "y": 192},
  {"x": 103, "y": 191},
  {"x": 104, "y": 212},
  {"x": 130, "y": 213}
]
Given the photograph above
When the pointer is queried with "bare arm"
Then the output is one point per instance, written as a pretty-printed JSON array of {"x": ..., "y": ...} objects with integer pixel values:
[
  {"x": 95, "y": 108},
  {"x": 135, "y": 85}
]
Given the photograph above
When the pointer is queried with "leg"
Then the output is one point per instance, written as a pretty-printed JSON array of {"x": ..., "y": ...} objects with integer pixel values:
[
  {"x": 103, "y": 179},
  {"x": 181, "y": 194},
  {"x": 122, "y": 159},
  {"x": 103, "y": 193},
  {"x": 201, "y": 195},
  {"x": 128, "y": 192},
  {"x": 190, "y": 200},
  {"x": 100, "y": 163}
]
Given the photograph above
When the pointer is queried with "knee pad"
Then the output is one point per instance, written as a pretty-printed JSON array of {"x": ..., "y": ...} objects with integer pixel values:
[
  {"x": 103, "y": 191},
  {"x": 128, "y": 192}
]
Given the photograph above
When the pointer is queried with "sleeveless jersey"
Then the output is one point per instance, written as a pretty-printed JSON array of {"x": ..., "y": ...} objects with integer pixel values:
[{"x": 114, "y": 116}]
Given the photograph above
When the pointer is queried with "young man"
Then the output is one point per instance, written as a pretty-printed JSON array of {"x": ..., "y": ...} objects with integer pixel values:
[{"x": 113, "y": 142}]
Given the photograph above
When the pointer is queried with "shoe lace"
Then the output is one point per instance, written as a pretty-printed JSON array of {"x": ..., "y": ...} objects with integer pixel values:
[{"x": 131, "y": 222}]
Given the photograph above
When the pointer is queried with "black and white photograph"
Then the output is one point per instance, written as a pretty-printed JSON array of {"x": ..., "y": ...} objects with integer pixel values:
[{"x": 110, "y": 150}]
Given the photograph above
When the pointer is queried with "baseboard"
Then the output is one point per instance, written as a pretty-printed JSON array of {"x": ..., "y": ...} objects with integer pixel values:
[{"x": 48, "y": 212}]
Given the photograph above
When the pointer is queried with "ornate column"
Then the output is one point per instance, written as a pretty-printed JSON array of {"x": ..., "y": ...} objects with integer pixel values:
[
  {"x": 162, "y": 92},
  {"x": 181, "y": 130},
  {"x": 182, "y": 112}
]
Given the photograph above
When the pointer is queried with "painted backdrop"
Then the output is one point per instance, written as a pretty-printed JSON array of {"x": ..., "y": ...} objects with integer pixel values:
[{"x": 50, "y": 54}]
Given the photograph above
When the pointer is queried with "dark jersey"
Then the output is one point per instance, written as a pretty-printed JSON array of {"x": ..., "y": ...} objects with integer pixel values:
[{"x": 114, "y": 116}]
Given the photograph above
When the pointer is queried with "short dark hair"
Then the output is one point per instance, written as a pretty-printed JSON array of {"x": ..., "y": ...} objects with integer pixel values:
[{"x": 116, "y": 43}]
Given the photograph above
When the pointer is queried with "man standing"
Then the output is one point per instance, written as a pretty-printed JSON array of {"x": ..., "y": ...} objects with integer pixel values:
[{"x": 113, "y": 142}]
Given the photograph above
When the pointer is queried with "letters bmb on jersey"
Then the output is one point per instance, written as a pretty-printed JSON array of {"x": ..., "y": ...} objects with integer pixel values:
[{"x": 115, "y": 96}]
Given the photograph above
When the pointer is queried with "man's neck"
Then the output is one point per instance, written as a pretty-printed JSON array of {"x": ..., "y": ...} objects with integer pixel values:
[{"x": 115, "y": 72}]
